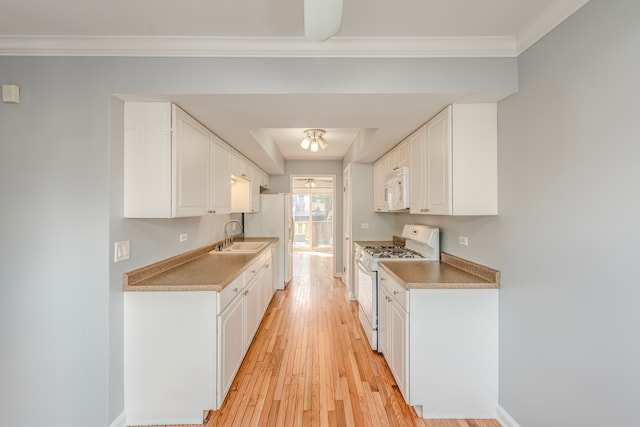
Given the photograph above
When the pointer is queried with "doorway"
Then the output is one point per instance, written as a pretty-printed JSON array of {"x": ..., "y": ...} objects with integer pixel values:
[{"x": 313, "y": 213}]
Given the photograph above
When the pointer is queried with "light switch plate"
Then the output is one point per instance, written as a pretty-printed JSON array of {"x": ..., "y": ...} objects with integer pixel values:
[
  {"x": 463, "y": 240},
  {"x": 122, "y": 251},
  {"x": 183, "y": 237}
]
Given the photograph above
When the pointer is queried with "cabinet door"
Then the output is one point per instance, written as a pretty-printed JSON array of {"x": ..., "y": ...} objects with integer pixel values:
[
  {"x": 256, "y": 176},
  {"x": 240, "y": 167},
  {"x": 231, "y": 345},
  {"x": 191, "y": 171},
  {"x": 398, "y": 322},
  {"x": 384, "y": 302},
  {"x": 418, "y": 172},
  {"x": 220, "y": 197},
  {"x": 400, "y": 155},
  {"x": 267, "y": 285},
  {"x": 379, "y": 202},
  {"x": 264, "y": 181},
  {"x": 438, "y": 157},
  {"x": 252, "y": 304}
]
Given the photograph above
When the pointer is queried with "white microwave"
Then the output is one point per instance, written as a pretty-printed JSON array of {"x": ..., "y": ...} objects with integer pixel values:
[{"x": 396, "y": 189}]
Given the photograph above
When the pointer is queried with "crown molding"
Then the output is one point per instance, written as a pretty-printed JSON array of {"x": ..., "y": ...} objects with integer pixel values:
[
  {"x": 233, "y": 47},
  {"x": 550, "y": 18},
  {"x": 295, "y": 47}
]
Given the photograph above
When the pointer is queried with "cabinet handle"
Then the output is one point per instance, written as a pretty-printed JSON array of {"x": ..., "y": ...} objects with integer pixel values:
[
  {"x": 253, "y": 271},
  {"x": 396, "y": 292},
  {"x": 266, "y": 266},
  {"x": 235, "y": 289},
  {"x": 382, "y": 279}
]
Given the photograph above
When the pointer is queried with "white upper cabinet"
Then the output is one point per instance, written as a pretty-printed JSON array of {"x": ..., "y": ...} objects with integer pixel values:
[
  {"x": 191, "y": 142},
  {"x": 256, "y": 177},
  {"x": 241, "y": 167},
  {"x": 220, "y": 197},
  {"x": 391, "y": 161},
  {"x": 398, "y": 157},
  {"x": 166, "y": 165},
  {"x": 176, "y": 167},
  {"x": 264, "y": 181},
  {"x": 460, "y": 163},
  {"x": 379, "y": 174},
  {"x": 418, "y": 171}
]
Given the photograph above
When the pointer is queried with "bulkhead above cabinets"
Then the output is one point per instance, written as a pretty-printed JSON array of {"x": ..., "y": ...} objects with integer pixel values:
[{"x": 176, "y": 167}]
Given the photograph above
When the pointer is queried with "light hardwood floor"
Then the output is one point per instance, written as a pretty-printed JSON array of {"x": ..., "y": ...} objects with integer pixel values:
[{"x": 311, "y": 365}]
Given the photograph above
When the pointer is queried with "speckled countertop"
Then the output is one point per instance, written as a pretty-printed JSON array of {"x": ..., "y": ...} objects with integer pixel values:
[
  {"x": 450, "y": 272},
  {"x": 197, "y": 270}
]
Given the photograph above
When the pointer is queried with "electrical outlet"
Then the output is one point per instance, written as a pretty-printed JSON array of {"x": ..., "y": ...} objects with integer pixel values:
[
  {"x": 122, "y": 251},
  {"x": 364, "y": 225},
  {"x": 183, "y": 237},
  {"x": 463, "y": 240}
]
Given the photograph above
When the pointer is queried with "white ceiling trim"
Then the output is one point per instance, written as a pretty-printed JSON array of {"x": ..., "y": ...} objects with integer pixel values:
[
  {"x": 352, "y": 47},
  {"x": 295, "y": 47}
]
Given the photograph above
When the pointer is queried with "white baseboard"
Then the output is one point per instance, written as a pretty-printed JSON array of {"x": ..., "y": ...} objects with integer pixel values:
[
  {"x": 505, "y": 419},
  {"x": 121, "y": 421}
]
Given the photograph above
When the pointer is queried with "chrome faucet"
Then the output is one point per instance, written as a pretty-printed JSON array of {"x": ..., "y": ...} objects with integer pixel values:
[{"x": 228, "y": 240}]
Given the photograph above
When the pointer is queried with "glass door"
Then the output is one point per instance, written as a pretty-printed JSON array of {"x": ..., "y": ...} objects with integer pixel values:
[{"x": 313, "y": 214}]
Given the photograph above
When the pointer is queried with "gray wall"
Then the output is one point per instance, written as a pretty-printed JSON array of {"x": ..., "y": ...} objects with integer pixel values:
[
  {"x": 381, "y": 225},
  {"x": 54, "y": 274},
  {"x": 566, "y": 237}
]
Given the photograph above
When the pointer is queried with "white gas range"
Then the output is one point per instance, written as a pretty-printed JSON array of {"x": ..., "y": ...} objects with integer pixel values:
[{"x": 422, "y": 244}]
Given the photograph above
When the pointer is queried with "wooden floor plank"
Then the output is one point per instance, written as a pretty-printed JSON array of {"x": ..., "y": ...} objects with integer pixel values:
[{"x": 310, "y": 364}]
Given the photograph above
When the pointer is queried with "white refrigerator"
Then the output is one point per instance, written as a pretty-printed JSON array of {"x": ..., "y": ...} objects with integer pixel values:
[{"x": 275, "y": 219}]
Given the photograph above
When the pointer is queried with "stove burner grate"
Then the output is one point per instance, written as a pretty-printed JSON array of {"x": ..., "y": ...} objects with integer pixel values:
[{"x": 391, "y": 252}]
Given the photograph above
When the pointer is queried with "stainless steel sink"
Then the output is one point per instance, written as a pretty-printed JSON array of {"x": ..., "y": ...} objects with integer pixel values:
[{"x": 243, "y": 248}]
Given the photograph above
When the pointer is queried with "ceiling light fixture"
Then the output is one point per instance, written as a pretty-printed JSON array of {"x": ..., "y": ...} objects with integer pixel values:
[{"x": 313, "y": 140}]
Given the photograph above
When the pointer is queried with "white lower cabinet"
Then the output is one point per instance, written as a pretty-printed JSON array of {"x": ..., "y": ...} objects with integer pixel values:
[
  {"x": 441, "y": 346},
  {"x": 393, "y": 321},
  {"x": 170, "y": 355},
  {"x": 267, "y": 287},
  {"x": 253, "y": 315},
  {"x": 231, "y": 344},
  {"x": 183, "y": 349}
]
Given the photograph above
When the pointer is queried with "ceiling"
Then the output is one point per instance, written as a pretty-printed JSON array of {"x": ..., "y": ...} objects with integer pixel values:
[{"x": 275, "y": 28}]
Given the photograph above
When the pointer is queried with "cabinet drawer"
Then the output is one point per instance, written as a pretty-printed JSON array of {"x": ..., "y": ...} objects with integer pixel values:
[
  {"x": 396, "y": 289},
  {"x": 227, "y": 295},
  {"x": 254, "y": 268}
]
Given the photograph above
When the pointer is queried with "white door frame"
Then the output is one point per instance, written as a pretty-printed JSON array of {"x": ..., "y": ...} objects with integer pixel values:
[{"x": 333, "y": 202}]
